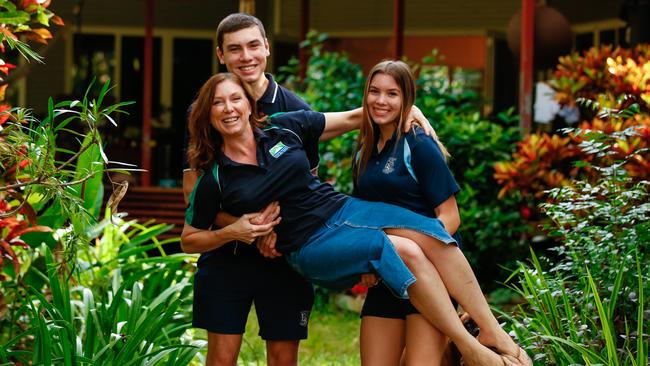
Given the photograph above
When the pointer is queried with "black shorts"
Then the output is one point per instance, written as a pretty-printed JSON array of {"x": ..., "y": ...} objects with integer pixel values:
[
  {"x": 225, "y": 287},
  {"x": 381, "y": 302}
]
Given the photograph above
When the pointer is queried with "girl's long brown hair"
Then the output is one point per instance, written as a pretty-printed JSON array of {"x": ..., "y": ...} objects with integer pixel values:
[
  {"x": 403, "y": 76},
  {"x": 205, "y": 141}
]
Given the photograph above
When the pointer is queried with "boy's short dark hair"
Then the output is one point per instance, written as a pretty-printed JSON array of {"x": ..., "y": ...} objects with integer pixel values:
[{"x": 235, "y": 22}]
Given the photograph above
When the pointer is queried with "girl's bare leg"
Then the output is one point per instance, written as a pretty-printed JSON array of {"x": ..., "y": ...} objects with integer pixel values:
[
  {"x": 460, "y": 281},
  {"x": 382, "y": 341},
  {"x": 425, "y": 344},
  {"x": 429, "y": 295}
]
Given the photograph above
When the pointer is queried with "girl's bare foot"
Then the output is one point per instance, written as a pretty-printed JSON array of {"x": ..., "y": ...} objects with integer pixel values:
[{"x": 503, "y": 345}]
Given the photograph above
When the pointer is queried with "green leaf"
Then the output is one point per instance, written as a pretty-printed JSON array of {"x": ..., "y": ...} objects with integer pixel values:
[
  {"x": 88, "y": 164},
  {"x": 42, "y": 18},
  {"x": 14, "y": 17}
]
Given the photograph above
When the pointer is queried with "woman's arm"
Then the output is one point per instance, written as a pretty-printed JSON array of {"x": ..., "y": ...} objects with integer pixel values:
[
  {"x": 190, "y": 176},
  {"x": 268, "y": 214},
  {"x": 447, "y": 212},
  {"x": 195, "y": 240}
]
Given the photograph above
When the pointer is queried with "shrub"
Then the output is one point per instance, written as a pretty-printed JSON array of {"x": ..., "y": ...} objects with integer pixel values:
[
  {"x": 604, "y": 74},
  {"x": 591, "y": 305},
  {"x": 492, "y": 229},
  {"x": 612, "y": 81}
]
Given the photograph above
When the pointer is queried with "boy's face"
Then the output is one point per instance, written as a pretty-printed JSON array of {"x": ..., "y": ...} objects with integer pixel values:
[{"x": 244, "y": 53}]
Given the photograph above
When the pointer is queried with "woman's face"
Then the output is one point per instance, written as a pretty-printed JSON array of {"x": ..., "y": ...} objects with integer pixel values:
[
  {"x": 230, "y": 112},
  {"x": 384, "y": 100}
]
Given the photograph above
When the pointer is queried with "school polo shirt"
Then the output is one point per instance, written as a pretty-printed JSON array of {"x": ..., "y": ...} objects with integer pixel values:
[
  {"x": 410, "y": 172},
  {"x": 276, "y": 98},
  {"x": 282, "y": 174}
]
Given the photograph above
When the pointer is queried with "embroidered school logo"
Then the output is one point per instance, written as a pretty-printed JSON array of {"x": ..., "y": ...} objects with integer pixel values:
[
  {"x": 304, "y": 318},
  {"x": 277, "y": 150},
  {"x": 390, "y": 166}
]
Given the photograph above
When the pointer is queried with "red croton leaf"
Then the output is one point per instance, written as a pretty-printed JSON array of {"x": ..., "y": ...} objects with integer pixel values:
[
  {"x": 5, "y": 67},
  {"x": 27, "y": 3},
  {"x": 4, "y": 116},
  {"x": 57, "y": 20},
  {"x": 6, "y": 250}
]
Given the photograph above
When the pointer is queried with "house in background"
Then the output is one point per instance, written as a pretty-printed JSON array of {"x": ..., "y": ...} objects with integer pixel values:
[{"x": 105, "y": 39}]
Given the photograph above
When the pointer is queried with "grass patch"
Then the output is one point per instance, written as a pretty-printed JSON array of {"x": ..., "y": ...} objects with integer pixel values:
[{"x": 333, "y": 340}]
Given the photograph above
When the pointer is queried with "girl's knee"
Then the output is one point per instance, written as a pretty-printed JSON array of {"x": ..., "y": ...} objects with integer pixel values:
[{"x": 407, "y": 249}]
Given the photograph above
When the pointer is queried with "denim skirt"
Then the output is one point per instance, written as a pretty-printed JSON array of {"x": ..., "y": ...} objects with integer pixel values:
[{"x": 352, "y": 242}]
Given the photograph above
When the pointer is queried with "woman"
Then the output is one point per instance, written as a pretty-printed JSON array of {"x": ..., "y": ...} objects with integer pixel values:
[
  {"x": 329, "y": 238},
  {"x": 407, "y": 170}
]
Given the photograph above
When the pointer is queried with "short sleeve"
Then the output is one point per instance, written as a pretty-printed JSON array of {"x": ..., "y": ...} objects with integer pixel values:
[
  {"x": 308, "y": 126},
  {"x": 431, "y": 170},
  {"x": 204, "y": 201}
]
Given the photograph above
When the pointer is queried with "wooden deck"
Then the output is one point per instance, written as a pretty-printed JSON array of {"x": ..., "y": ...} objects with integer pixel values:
[{"x": 164, "y": 205}]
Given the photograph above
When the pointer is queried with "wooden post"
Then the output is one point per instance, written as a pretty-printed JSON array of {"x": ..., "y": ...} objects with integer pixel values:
[
  {"x": 247, "y": 6},
  {"x": 398, "y": 29},
  {"x": 304, "y": 28},
  {"x": 526, "y": 65},
  {"x": 147, "y": 93}
]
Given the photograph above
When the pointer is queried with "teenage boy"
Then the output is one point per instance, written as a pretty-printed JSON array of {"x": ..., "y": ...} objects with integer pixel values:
[{"x": 233, "y": 277}]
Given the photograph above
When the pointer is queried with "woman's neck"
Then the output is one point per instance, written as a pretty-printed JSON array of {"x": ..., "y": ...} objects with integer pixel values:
[
  {"x": 385, "y": 133},
  {"x": 242, "y": 149}
]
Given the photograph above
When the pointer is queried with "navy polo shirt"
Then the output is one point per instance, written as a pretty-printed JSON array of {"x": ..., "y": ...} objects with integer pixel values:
[
  {"x": 410, "y": 172},
  {"x": 283, "y": 175},
  {"x": 275, "y": 99}
]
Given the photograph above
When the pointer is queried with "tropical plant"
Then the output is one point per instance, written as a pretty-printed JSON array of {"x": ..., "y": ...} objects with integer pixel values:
[
  {"x": 29, "y": 19},
  {"x": 122, "y": 307},
  {"x": 544, "y": 161},
  {"x": 74, "y": 290},
  {"x": 590, "y": 306},
  {"x": 604, "y": 74}
]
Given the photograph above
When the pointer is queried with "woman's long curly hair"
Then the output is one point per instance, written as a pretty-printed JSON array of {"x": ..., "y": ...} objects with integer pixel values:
[{"x": 205, "y": 140}]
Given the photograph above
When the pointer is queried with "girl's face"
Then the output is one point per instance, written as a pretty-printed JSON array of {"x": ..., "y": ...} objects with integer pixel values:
[
  {"x": 384, "y": 100},
  {"x": 230, "y": 112}
]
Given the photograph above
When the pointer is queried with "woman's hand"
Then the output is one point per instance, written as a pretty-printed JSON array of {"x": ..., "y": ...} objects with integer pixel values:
[
  {"x": 369, "y": 279},
  {"x": 246, "y": 231},
  {"x": 416, "y": 116}
]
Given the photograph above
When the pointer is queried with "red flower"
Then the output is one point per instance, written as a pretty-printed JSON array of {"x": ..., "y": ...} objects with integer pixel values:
[
  {"x": 525, "y": 213},
  {"x": 359, "y": 289}
]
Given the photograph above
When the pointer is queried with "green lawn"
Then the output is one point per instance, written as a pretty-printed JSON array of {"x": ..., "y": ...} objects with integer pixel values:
[{"x": 333, "y": 340}]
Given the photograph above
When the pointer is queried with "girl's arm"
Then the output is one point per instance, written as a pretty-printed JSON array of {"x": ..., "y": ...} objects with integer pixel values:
[
  {"x": 447, "y": 212},
  {"x": 435, "y": 179}
]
